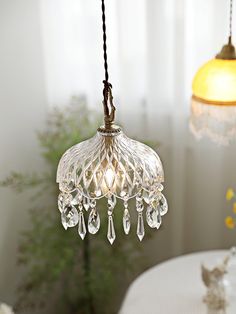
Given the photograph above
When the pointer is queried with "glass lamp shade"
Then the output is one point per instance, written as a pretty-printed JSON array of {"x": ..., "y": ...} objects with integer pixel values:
[
  {"x": 213, "y": 105},
  {"x": 113, "y": 166},
  {"x": 215, "y": 82}
]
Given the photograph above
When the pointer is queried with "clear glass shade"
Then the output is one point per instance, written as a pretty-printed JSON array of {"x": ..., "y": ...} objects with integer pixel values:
[{"x": 114, "y": 166}]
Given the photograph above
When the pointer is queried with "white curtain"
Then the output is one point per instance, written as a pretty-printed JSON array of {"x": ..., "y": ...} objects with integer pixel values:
[{"x": 154, "y": 49}]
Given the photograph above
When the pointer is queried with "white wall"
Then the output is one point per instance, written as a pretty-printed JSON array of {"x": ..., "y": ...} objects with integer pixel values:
[{"x": 22, "y": 111}]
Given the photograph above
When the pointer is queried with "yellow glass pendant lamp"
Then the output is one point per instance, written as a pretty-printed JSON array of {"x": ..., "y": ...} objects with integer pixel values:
[
  {"x": 215, "y": 81},
  {"x": 213, "y": 105}
]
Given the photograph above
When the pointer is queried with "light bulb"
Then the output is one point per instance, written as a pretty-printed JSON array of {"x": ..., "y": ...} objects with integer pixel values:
[{"x": 109, "y": 178}]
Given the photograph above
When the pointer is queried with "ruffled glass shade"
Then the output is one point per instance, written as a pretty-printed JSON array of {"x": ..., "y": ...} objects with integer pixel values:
[
  {"x": 114, "y": 166},
  {"x": 213, "y": 106},
  {"x": 218, "y": 123}
]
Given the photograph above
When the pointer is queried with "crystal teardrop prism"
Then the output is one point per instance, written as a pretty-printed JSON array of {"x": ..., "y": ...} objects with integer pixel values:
[
  {"x": 92, "y": 203},
  {"x": 111, "y": 235},
  {"x": 140, "y": 226},
  {"x": 64, "y": 199},
  {"x": 147, "y": 196},
  {"x": 111, "y": 201},
  {"x": 163, "y": 205},
  {"x": 86, "y": 203},
  {"x": 68, "y": 184},
  {"x": 151, "y": 216},
  {"x": 93, "y": 221},
  {"x": 159, "y": 220},
  {"x": 139, "y": 205},
  {"x": 81, "y": 228},
  {"x": 159, "y": 187},
  {"x": 126, "y": 221},
  {"x": 69, "y": 217},
  {"x": 77, "y": 197},
  {"x": 60, "y": 202}
]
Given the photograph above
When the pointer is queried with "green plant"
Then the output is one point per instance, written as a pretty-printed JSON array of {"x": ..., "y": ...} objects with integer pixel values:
[{"x": 63, "y": 272}]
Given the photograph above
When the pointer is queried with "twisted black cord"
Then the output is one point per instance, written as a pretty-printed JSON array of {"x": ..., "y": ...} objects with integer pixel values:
[
  {"x": 230, "y": 19},
  {"x": 109, "y": 115},
  {"x": 104, "y": 41}
]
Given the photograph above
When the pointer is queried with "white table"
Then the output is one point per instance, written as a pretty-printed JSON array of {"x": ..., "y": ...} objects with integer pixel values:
[{"x": 172, "y": 287}]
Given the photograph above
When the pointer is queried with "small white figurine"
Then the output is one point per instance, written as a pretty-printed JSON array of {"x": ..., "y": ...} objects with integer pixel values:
[
  {"x": 215, "y": 297},
  {"x": 5, "y": 309}
]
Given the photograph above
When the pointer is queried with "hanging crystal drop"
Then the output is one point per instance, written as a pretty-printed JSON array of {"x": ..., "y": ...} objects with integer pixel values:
[
  {"x": 92, "y": 203},
  {"x": 64, "y": 223},
  {"x": 151, "y": 216},
  {"x": 60, "y": 202},
  {"x": 159, "y": 220},
  {"x": 111, "y": 201},
  {"x": 64, "y": 199},
  {"x": 139, "y": 208},
  {"x": 126, "y": 221},
  {"x": 82, "y": 228},
  {"x": 68, "y": 184},
  {"x": 93, "y": 221},
  {"x": 77, "y": 197},
  {"x": 69, "y": 217},
  {"x": 140, "y": 226},
  {"x": 126, "y": 218},
  {"x": 148, "y": 196},
  {"x": 86, "y": 203},
  {"x": 139, "y": 202},
  {"x": 163, "y": 205},
  {"x": 111, "y": 235},
  {"x": 159, "y": 187}
]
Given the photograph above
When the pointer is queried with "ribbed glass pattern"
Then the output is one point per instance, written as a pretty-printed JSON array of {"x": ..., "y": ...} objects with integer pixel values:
[{"x": 111, "y": 166}]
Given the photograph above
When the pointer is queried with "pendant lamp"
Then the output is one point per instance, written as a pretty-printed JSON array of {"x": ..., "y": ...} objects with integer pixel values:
[
  {"x": 213, "y": 107},
  {"x": 110, "y": 165}
]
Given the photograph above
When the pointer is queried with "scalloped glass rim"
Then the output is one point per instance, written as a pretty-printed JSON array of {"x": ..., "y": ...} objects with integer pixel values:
[
  {"x": 218, "y": 123},
  {"x": 108, "y": 194}
]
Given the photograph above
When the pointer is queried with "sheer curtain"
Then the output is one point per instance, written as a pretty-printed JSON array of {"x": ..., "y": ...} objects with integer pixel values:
[{"x": 154, "y": 49}]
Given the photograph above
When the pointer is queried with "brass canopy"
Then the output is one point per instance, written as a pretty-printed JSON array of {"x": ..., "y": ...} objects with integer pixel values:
[
  {"x": 227, "y": 52},
  {"x": 111, "y": 131}
]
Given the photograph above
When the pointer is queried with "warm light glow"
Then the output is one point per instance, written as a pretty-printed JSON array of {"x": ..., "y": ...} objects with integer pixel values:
[
  {"x": 109, "y": 178},
  {"x": 215, "y": 82}
]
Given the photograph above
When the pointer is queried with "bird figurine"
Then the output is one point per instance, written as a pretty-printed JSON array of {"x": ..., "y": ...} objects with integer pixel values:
[{"x": 215, "y": 298}]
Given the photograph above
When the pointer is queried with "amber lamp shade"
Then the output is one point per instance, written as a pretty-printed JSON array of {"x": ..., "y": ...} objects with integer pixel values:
[
  {"x": 215, "y": 82},
  {"x": 213, "y": 105}
]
